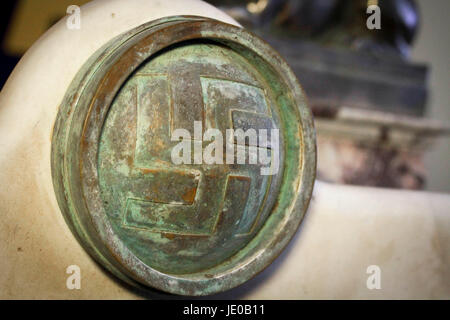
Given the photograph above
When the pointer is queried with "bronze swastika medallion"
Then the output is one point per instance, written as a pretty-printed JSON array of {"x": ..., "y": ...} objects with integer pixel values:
[{"x": 196, "y": 226}]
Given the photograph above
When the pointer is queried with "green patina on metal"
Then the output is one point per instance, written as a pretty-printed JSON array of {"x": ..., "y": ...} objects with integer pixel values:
[{"x": 191, "y": 229}]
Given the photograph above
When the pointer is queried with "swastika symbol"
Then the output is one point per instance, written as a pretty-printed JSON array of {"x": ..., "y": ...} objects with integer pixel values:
[
  {"x": 199, "y": 213},
  {"x": 159, "y": 100}
]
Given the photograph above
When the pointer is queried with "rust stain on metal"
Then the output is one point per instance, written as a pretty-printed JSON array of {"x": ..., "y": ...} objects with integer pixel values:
[{"x": 189, "y": 196}]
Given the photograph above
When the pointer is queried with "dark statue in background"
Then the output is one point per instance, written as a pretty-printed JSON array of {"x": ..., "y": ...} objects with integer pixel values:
[
  {"x": 367, "y": 97},
  {"x": 342, "y": 23},
  {"x": 332, "y": 22}
]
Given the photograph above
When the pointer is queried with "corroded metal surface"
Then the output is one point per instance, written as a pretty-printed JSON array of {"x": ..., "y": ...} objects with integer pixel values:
[{"x": 191, "y": 229}]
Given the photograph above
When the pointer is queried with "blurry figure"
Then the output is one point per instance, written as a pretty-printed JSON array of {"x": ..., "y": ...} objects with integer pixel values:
[
  {"x": 342, "y": 23},
  {"x": 367, "y": 98},
  {"x": 308, "y": 17}
]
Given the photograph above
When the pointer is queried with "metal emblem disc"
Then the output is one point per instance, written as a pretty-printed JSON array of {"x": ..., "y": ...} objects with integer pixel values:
[{"x": 190, "y": 228}]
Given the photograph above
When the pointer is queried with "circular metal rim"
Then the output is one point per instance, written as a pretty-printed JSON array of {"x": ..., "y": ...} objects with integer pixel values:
[{"x": 91, "y": 228}]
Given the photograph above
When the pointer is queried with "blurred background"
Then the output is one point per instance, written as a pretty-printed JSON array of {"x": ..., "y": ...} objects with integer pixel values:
[{"x": 380, "y": 97}]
